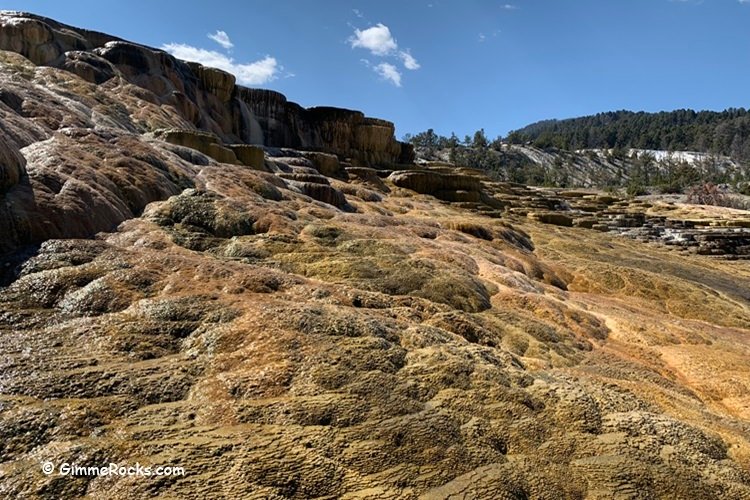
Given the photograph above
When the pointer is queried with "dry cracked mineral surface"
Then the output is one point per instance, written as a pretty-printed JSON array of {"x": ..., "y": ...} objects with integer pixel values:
[{"x": 319, "y": 317}]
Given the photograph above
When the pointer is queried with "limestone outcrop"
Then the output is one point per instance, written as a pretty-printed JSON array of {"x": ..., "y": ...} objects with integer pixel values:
[
  {"x": 204, "y": 142},
  {"x": 444, "y": 184},
  {"x": 346, "y": 133},
  {"x": 205, "y": 97},
  {"x": 300, "y": 175},
  {"x": 44, "y": 41},
  {"x": 251, "y": 156},
  {"x": 153, "y": 119}
]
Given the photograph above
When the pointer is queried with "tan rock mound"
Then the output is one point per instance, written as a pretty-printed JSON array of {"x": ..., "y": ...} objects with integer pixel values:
[
  {"x": 445, "y": 186},
  {"x": 204, "y": 142}
]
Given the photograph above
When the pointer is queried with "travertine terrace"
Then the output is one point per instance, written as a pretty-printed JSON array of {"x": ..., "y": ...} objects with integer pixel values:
[{"x": 293, "y": 309}]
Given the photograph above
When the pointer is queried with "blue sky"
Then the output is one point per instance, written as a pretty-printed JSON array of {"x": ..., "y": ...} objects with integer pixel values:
[{"x": 454, "y": 65}]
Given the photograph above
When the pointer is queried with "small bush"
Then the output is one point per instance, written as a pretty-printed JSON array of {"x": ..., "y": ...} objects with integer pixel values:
[
  {"x": 670, "y": 188},
  {"x": 635, "y": 189},
  {"x": 706, "y": 194}
]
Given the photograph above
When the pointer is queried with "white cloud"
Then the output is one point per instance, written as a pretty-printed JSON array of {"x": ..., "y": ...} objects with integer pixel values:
[
  {"x": 510, "y": 6},
  {"x": 256, "y": 73},
  {"x": 358, "y": 13},
  {"x": 222, "y": 39},
  {"x": 380, "y": 42},
  {"x": 389, "y": 72},
  {"x": 376, "y": 39},
  {"x": 408, "y": 59}
]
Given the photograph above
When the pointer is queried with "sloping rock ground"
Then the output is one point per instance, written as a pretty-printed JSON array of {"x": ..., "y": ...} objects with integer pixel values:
[
  {"x": 318, "y": 329},
  {"x": 279, "y": 347}
]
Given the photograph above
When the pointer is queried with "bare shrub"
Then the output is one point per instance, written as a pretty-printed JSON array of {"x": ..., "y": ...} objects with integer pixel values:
[
  {"x": 709, "y": 194},
  {"x": 706, "y": 194}
]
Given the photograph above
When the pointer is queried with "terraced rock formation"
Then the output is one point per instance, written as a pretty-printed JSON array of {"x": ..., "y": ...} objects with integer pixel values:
[
  {"x": 324, "y": 325},
  {"x": 717, "y": 231}
]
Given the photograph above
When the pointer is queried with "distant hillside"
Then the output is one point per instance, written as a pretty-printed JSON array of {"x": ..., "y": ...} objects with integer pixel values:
[
  {"x": 634, "y": 169},
  {"x": 725, "y": 133},
  {"x": 603, "y": 167}
]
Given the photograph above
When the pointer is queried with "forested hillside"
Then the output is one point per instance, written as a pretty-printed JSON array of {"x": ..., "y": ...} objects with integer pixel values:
[
  {"x": 725, "y": 133},
  {"x": 547, "y": 161}
]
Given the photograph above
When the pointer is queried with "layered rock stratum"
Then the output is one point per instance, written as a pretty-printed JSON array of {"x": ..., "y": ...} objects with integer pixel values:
[{"x": 275, "y": 299}]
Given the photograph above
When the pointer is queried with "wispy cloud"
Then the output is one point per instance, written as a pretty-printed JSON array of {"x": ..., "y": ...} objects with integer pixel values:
[
  {"x": 510, "y": 6},
  {"x": 408, "y": 60},
  {"x": 389, "y": 72},
  {"x": 379, "y": 41},
  {"x": 255, "y": 73},
  {"x": 222, "y": 39},
  {"x": 358, "y": 13}
]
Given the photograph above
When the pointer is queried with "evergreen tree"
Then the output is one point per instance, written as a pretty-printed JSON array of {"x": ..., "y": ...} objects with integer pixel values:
[{"x": 480, "y": 139}]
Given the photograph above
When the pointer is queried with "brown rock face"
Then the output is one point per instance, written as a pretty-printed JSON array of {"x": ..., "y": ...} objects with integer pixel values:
[
  {"x": 204, "y": 142},
  {"x": 217, "y": 82},
  {"x": 30, "y": 37},
  {"x": 123, "y": 90},
  {"x": 12, "y": 170},
  {"x": 557, "y": 219},
  {"x": 207, "y": 98},
  {"x": 346, "y": 133},
  {"x": 428, "y": 182},
  {"x": 252, "y": 156},
  {"x": 12, "y": 163},
  {"x": 441, "y": 184},
  {"x": 350, "y": 134},
  {"x": 326, "y": 164}
]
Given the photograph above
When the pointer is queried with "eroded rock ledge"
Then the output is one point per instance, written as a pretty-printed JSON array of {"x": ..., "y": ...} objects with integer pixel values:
[{"x": 207, "y": 98}]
